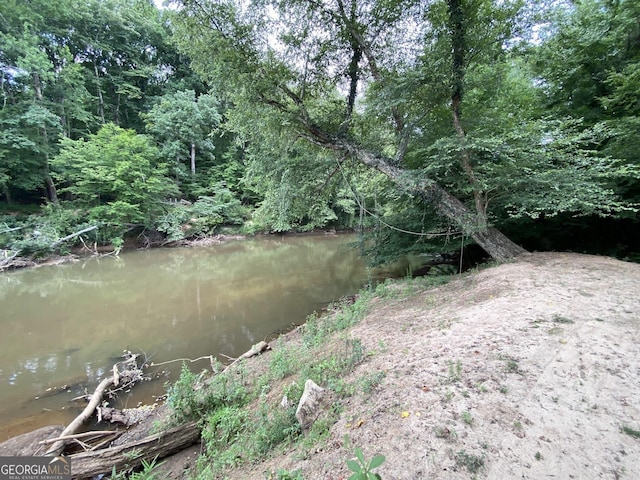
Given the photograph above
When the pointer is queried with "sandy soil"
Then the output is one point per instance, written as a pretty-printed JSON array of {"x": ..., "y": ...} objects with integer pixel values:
[{"x": 528, "y": 370}]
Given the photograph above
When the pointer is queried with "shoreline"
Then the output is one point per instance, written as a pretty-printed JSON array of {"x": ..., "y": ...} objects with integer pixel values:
[{"x": 79, "y": 253}]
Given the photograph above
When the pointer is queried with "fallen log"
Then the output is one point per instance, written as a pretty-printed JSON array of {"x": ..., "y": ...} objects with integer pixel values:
[
  {"x": 93, "y": 433},
  {"x": 130, "y": 375},
  {"x": 57, "y": 448},
  {"x": 131, "y": 455}
]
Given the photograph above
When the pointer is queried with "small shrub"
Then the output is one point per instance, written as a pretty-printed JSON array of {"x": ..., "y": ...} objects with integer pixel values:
[
  {"x": 371, "y": 381},
  {"x": 222, "y": 427},
  {"x": 283, "y": 362},
  {"x": 512, "y": 366},
  {"x": 561, "y": 319},
  {"x": 182, "y": 398},
  {"x": 445, "y": 432},
  {"x": 272, "y": 428}
]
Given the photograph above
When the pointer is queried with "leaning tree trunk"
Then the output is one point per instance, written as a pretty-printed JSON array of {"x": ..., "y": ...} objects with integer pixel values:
[{"x": 492, "y": 240}]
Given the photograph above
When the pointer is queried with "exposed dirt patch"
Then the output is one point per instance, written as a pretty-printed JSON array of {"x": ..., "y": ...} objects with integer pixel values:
[{"x": 525, "y": 370}]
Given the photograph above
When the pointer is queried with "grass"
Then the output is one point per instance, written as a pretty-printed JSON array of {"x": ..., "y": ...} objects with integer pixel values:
[
  {"x": 473, "y": 463},
  {"x": 282, "y": 474},
  {"x": 455, "y": 371},
  {"x": 467, "y": 418},
  {"x": 561, "y": 319},
  {"x": 512, "y": 366},
  {"x": 149, "y": 472},
  {"x": 445, "y": 432},
  {"x": 243, "y": 417},
  {"x": 630, "y": 431},
  {"x": 371, "y": 381}
]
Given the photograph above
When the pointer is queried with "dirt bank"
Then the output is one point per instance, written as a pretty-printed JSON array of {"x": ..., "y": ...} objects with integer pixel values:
[{"x": 526, "y": 370}]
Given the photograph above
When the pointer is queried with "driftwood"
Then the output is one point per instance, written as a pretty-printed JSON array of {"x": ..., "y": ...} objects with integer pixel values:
[
  {"x": 73, "y": 235},
  {"x": 57, "y": 448},
  {"x": 129, "y": 375},
  {"x": 254, "y": 350},
  {"x": 7, "y": 261},
  {"x": 113, "y": 415},
  {"x": 131, "y": 455},
  {"x": 94, "y": 433}
]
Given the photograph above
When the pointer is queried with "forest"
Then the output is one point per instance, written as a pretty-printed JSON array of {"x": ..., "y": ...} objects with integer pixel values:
[{"x": 424, "y": 125}]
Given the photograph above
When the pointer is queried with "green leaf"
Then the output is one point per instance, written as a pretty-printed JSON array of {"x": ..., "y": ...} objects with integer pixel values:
[
  {"x": 354, "y": 466},
  {"x": 376, "y": 462}
]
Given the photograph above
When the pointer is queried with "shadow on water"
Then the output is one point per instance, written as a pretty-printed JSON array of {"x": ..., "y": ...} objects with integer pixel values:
[{"x": 63, "y": 327}]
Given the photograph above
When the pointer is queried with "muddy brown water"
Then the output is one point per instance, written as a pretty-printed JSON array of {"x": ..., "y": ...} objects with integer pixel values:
[{"x": 62, "y": 327}]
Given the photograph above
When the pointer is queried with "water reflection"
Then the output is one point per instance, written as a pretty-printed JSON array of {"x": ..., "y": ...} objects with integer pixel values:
[{"x": 66, "y": 325}]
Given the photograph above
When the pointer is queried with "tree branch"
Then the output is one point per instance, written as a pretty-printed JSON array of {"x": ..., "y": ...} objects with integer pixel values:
[{"x": 73, "y": 235}]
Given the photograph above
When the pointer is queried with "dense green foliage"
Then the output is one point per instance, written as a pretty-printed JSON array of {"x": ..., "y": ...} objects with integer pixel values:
[{"x": 299, "y": 114}]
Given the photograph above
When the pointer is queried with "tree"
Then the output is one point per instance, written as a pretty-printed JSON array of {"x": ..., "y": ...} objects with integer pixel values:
[
  {"x": 66, "y": 68},
  {"x": 30, "y": 127},
  {"x": 116, "y": 175},
  {"x": 402, "y": 87},
  {"x": 294, "y": 78},
  {"x": 184, "y": 125},
  {"x": 590, "y": 69}
]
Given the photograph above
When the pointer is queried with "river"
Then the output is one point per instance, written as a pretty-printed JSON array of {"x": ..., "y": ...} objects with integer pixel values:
[{"x": 65, "y": 325}]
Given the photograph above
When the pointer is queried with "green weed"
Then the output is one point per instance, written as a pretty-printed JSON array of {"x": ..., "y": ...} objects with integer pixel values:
[
  {"x": 283, "y": 363},
  {"x": 561, "y": 319},
  {"x": 182, "y": 398},
  {"x": 282, "y": 474},
  {"x": 149, "y": 472},
  {"x": 445, "y": 432},
  {"x": 317, "y": 330},
  {"x": 467, "y": 418},
  {"x": 630, "y": 431},
  {"x": 363, "y": 469},
  {"x": 371, "y": 381},
  {"x": 473, "y": 463},
  {"x": 455, "y": 371}
]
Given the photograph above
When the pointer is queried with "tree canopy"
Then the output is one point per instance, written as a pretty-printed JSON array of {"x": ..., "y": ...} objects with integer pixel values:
[
  {"x": 465, "y": 117},
  {"x": 438, "y": 96}
]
